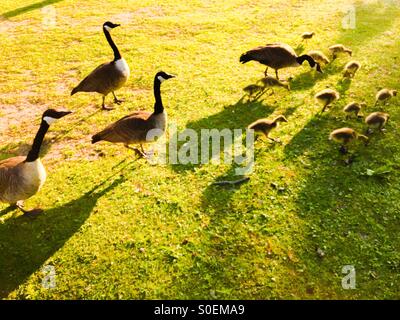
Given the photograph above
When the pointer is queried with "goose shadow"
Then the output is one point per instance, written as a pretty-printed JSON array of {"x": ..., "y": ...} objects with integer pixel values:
[
  {"x": 235, "y": 116},
  {"x": 26, "y": 242},
  {"x": 309, "y": 78},
  {"x": 220, "y": 245},
  {"x": 22, "y": 10}
]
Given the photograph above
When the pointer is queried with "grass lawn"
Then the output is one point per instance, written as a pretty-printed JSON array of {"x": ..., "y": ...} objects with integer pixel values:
[{"x": 119, "y": 228}]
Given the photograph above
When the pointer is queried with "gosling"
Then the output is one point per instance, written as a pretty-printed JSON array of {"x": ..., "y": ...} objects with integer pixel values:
[
  {"x": 384, "y": 95},
  {"x": 351, "y": 68},
  {"x": 307, "y": 35},
  {"x": 327, "y": 97},
  {"x": 354, "y": 107},
  {"x": 265, "y": 126},
  {"x": 269, "y": 82},
  {"x": 344, "y": 136},
  {"x": 253, "y": 89},
  {"x": 318, "y": 56},
  {"x": 339, "y": 49},
  {"x": 377, "y": 120}
]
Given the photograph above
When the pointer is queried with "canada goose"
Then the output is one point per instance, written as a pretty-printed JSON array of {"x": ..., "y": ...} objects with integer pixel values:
[
  {"x": 376, "y": 119},
  {"x": 277, "y": 56},
  {"x": 354, "y": 107},
  {"x": 345, "y": 136},
  {"x": 269, "y": 82},
  {"x": 339, "y": 48},
  {"x": 22, "y": 177},
  {"x": 107, "y": 77},
  {"x": 384, "y": 94},
  {"x": 351, "y": 68},
  {"x": 135, "y": 128},
  {"x": 265, "y": 125},
  {"x": 307, "y": 35},
  {"x": 326, "y": 97},
  {"x": 318, "y": 56}
]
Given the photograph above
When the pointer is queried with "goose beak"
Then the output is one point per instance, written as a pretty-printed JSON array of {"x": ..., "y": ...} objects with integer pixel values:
[{"x": 64, "y": 113}]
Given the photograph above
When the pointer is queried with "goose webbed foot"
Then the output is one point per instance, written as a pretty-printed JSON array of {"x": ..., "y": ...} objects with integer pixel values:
[
  {"x": 274, "y": 140},
  {"x": 343, "y": 150},
  {"x": 348, "y": 161},
  {"x": 139, "y": 152},
  {"x": 33, "y": 212},
  {"x": 103, "y": 105},
  {"x": 107, "y": 108},
  {"x": 116, "y": 100},
  {"x": 28, "y": 213}
]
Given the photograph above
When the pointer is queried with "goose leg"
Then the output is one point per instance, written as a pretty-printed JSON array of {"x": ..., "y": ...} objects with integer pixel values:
[
  {"x": 116, "y": 100},
  {"x": 34, "y": 212},
  {"x": 323, "y": 109},
  {"x": 103, "y": 105},
  {"x": 276, "y": 74},
  {"x": 266, "y": 72},
  {"x": 343, "y": 149},
  {"x": 140, "y": 153}
]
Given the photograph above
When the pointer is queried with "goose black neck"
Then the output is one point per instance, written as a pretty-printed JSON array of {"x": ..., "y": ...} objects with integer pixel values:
[
  {"x": 158, "y": 106},
  {"x": 33, "y": 154},
  {"x": 306, "y": 57},
  {"x": 117, "y": 55}
]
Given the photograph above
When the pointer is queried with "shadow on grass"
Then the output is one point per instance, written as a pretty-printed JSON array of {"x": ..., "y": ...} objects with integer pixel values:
[
  {"x": 348, "y": 215},
  {"x": 26, "y": 243},
  {"x": 22, "y": 10},
  {"x": 236, "y": 116},
  {"x": 214, "y": 267}
]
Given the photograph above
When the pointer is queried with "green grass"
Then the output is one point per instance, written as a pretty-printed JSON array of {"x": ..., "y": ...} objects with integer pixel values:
[{"x": 118, "y": 228}]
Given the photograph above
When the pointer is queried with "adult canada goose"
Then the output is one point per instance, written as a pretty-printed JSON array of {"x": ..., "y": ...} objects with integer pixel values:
[
  {"x": 354, "y": 107},
  {"x": 377, "y": 120},
  {"x": 265, "y": 126},
  {"x": 137, "y": 127},
  {"x": 307, "y": 35},
  {"x": 22, "y": 177},
  {"x": 277, "y": 56},
  {"x": 326, "y": 97},
  {"x": 351, "y": 68},
  {"x": 107, "y": 77},
  {"x": 384, "y": 95},
  {"x": 338, "y": 49},
  {"x": 269, "y": 82},
  {"x": 346, "y": 135},
  {"x": 318, "y": 56}
]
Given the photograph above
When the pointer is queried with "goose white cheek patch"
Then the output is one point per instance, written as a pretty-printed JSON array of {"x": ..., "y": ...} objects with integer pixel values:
[
  {"x": 49, "y": 120},
  {"x": 107, "y": 28},
  {"x": 160, "y": 78}
]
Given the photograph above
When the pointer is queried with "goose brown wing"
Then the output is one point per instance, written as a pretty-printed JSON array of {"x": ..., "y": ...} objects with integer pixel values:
[
  {"x": 7, "y": 171},
  {"x": 129, "y": 129},
  {"x": 275, "y": 55},
  {"x": 103, "y": 79}
]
